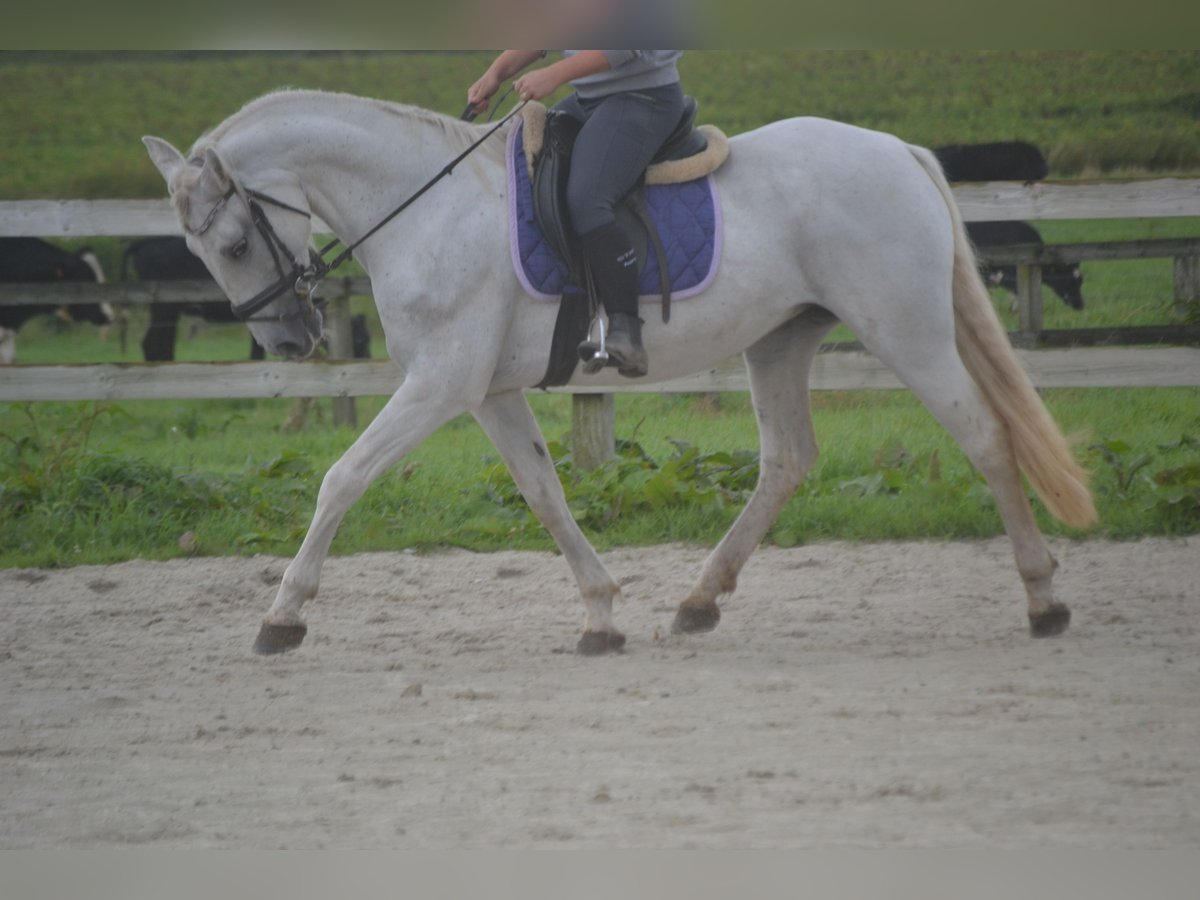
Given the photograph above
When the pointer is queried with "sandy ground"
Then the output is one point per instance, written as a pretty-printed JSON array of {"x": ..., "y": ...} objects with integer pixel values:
[{"x": 853, "y": 695}]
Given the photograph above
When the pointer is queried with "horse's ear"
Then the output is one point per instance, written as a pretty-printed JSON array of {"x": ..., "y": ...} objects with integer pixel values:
[
  {"x": 214, "y": 175},
  {"x": 166, "y": 158}
]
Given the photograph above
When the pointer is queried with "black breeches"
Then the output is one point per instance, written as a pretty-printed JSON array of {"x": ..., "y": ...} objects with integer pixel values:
[{"x": 620, "y": 136}]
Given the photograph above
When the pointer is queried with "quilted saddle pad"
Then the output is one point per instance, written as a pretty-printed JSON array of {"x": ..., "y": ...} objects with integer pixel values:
[{"x": 687, "y": 216}]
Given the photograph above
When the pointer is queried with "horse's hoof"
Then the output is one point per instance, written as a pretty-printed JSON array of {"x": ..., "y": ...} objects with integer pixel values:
[
  {"x": 597, "y": 643},
  {"x": 1050, "y": 623},
  {"x": 696, "y": 619},
  {"x": 274, "y": 639}
]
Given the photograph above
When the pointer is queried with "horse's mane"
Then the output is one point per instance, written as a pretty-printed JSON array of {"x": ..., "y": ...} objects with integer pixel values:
[{"x": 457, "y": 132}]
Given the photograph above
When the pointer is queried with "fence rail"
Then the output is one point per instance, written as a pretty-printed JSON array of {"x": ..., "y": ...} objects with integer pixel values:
[
  {"x": 1108, "y": 199},
  {"x": 996, "y": 201},
  {"x": 143, "y": 293},
  {"x": 1077, "y": 367},
  {"x": 93, "y": 218},
  {"x": 855, "y": 370}
]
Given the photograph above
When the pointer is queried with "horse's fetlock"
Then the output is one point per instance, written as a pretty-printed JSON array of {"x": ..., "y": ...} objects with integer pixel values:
[
  {"x": 284, "y": 618},
  {"x": 296, "y": 588}
]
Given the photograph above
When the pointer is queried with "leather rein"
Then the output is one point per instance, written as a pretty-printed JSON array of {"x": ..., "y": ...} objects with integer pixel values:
[{"x": 303, "y": 280}]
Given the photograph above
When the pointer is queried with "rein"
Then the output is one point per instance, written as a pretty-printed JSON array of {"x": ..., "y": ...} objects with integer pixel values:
[
  {"x": 320, "y": 268},
  {"x": 303, "y": 280}
]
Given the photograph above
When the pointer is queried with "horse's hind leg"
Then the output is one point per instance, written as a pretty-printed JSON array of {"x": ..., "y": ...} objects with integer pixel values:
[
  {"x": 940, "y": 380},
  {"x": 778, "y": 366},
  {"x": 510, "y": 425}
]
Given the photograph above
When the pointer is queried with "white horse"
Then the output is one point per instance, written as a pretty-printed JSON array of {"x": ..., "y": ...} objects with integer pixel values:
[{"x": 824, "y": 222}]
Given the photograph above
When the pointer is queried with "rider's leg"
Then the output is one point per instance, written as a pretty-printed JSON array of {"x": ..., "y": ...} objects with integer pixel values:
[
  {"x": 612, "y": 260},
  {"x": 620, "y": 136}
]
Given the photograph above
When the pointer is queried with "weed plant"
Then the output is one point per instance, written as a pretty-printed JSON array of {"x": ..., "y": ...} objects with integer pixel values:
[{"x": 98, "y": 483}]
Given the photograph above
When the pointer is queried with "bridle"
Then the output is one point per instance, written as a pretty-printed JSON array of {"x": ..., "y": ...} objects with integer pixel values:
[
  {"x": 302, "y": 280},
  {"x": 298, "y": 278}
]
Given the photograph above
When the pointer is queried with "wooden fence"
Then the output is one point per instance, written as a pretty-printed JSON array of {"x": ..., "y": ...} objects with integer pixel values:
[{"x": 1098, "y": 366}]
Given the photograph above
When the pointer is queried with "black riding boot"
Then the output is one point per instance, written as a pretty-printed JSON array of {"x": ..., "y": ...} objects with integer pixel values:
[{"x": 613, "y": 263}]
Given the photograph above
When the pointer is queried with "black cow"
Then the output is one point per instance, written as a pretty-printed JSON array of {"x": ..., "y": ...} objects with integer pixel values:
[
  {"x": 169, "y": 259},
  {"x": 999, "y": 161},
  {"x": 26, "y": 260},
  {"x": 1065, "y": 280}
]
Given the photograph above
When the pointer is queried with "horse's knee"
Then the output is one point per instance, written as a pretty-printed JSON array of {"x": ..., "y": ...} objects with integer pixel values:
[
  {"x": 780, "y": 477},
  {"x": 341, "y": 486},
  {"x": 786, "y": 467}
]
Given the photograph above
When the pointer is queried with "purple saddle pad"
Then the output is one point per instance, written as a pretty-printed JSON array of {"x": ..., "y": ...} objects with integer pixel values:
[{"x": 687, "y": 216}]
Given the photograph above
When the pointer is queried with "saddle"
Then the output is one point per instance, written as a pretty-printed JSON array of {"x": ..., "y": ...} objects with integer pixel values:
[{"x": 687, "y": 153}]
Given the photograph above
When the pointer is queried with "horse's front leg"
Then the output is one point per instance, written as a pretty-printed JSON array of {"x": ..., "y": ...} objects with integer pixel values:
[
  {"x": 510, "y": 424},
  {"x": 412, "y": 414}
]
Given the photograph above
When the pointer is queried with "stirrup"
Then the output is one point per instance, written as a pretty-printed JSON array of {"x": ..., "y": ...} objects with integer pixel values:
[{"x": 595, "y": 353}]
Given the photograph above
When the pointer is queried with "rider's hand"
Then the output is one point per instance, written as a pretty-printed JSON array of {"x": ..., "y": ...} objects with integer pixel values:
[
  {"x": 537, "y": 85},
  {"x": 481, "y": 92}
]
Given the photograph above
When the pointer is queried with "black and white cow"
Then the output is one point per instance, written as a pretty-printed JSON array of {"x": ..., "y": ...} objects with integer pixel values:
[
  {"x": 169, "y": 259},
  {"x": 1066, "y": 280},
  {"x": 996, "y": 161},
  {"x": 27, "y": 260}
]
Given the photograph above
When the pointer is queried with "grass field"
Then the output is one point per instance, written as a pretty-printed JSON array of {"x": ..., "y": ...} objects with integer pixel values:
[
  {"x": 89, "y": 483},
  {"x": 73, "y": 123}
]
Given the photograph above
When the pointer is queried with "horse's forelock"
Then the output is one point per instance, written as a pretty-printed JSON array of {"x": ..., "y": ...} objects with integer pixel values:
[{"x": 183, "y": 182}]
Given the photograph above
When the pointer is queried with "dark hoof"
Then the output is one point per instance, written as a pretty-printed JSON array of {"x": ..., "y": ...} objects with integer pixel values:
[
  {"x": 1052, "y": 622},
  {"x": 274, "y": 639},
  {"x": 696, "y": 619},
  {"x": 597, "y": 643}
]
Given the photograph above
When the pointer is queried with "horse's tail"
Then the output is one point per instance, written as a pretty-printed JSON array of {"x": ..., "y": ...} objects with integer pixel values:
[{"x": 1040, "y": 448}]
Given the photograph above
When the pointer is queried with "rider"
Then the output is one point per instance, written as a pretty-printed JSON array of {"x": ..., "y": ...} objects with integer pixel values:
[{"x": 628, "y": 102}]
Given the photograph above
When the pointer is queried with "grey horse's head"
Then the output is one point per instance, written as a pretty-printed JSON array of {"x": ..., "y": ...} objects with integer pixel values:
[{"x": 253, "y": 238}]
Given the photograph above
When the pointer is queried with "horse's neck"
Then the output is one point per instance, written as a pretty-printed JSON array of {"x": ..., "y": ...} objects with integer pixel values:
[{"x": 356, "y": 159}]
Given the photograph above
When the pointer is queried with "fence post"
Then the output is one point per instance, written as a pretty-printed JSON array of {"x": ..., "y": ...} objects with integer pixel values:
[
  {"x": 593, "y": 440},
  {"x": 1029, "y": 302},
  {"x": 1187, "y": 281},
  {"x": 341, "y": 346}
]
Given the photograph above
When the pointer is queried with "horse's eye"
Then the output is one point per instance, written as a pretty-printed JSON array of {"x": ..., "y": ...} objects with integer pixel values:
[{"x": 238, "y": 250}]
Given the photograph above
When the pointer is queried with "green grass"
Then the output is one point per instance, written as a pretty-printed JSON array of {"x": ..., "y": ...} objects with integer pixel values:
[
  {"x": 225, "y": 471},
  {"x": 97, "y": 483},
  {"x": 73, "y": 123}
]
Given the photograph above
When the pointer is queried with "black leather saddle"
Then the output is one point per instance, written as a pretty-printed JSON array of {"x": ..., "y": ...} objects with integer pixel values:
[{"x": 551, "y": 168}]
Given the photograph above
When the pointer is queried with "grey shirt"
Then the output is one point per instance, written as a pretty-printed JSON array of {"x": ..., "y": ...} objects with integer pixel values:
[{"x": 630, "y": 70}]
